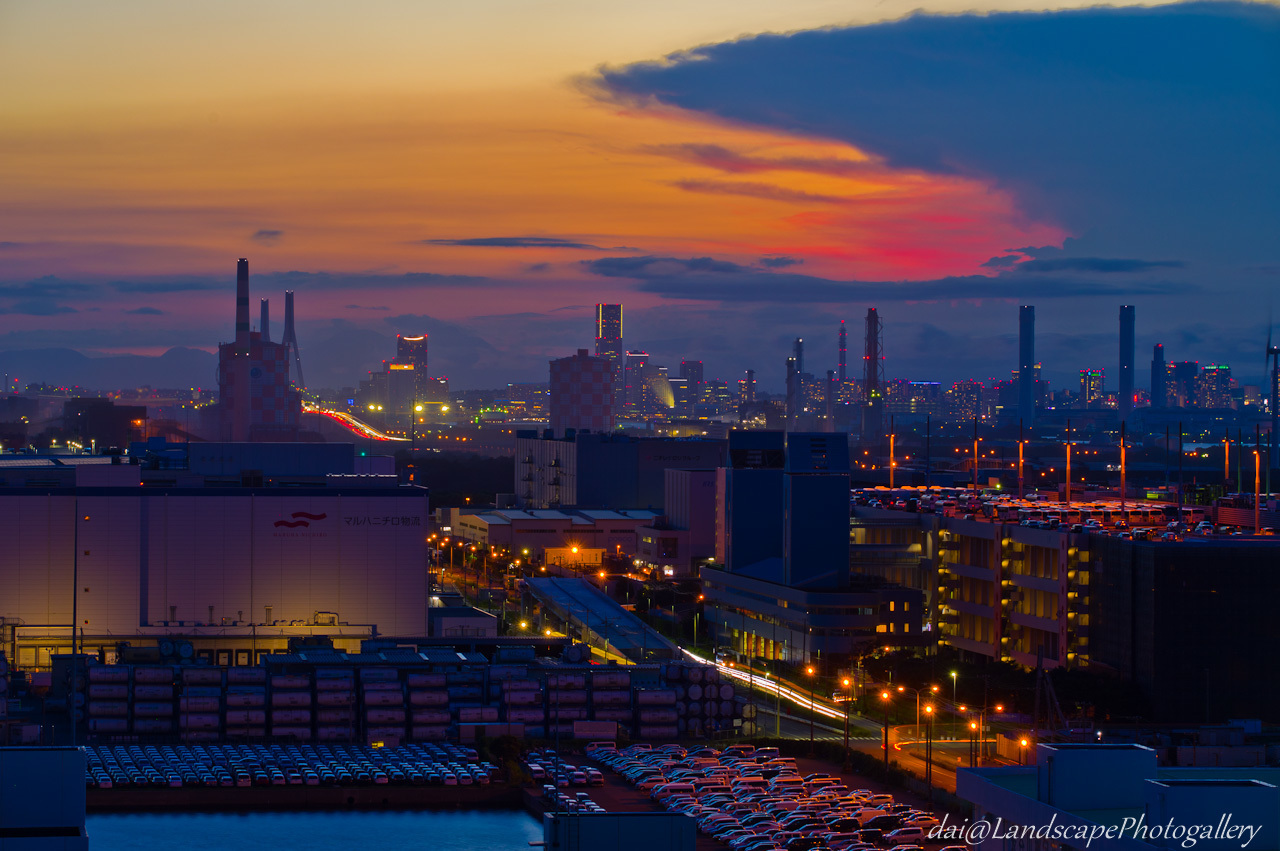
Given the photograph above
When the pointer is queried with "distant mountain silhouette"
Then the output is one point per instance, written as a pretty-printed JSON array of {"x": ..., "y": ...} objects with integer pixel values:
[{"x": 178, "y": 367}]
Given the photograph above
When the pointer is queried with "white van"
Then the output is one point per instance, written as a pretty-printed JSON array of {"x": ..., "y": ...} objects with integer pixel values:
[{"x": 666, "y": 790}]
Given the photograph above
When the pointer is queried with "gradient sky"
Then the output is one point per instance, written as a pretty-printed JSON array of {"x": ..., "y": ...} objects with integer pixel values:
[{"x": 487, "y": 171}]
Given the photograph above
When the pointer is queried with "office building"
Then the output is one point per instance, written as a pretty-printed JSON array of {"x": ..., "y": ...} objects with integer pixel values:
[
  {"x": 547, "y": 533},
  {"x": 581, "y": 394},
  {"x": 781, "y": 587},
  {"x": 1156, "y": 614},
  {"x": 404, "y": 396},
  {"x": 101, "y": 423},
  {"x": 636, "y": 395},
  {"x": 1092, "y": 388},
  {"x": 1159, "y": 378},
  {"x": 604, "y": 471},
  {"x": 1215, "y": 386},
  {"x": 1116, "y": 796},
  {"x": 684, "y": 536},
  {"x": 609, "y": 333},
  {"x": 1184, "y": 384},
  {"x": 609, "y": 346}
]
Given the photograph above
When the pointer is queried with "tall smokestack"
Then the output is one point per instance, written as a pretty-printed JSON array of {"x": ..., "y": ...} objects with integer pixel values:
[
  {"x": 1159, "y": 377},
  {"x": 1126, "y": 360},
  {"x": 844, "y": 354},
  {"x": 240, "y": 396},
  {"x": 264, "y": 324},
  {"x": 242, "y": 307},
  {"x": 1026, "y": 364},
  {"x": 799, "y": 350}
]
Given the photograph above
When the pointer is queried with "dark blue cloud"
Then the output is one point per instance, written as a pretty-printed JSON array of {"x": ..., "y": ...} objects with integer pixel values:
[
  {"x": 1107, "y": 265},
  {"x": 1145, "y": 131},
  {"x": 515, "y": 242},
  {"x": 303, "y": 281},
  {"x": 659, "y": 267},
  {"x": 268, "y": 236},
  {"x": 146, "y": 311},
  {"x": 780, "y": 262},
  {"x": 170, "y": 285},
  {"x": 37, "y": 307},
  {"x": 709, "y": 280},
  {"x": 48, "y": 286}
]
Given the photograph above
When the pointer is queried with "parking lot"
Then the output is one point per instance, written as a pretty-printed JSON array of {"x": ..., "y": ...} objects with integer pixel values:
[
  {"x": 265, "y": 765},
  {"x": 758, "y": 801}
]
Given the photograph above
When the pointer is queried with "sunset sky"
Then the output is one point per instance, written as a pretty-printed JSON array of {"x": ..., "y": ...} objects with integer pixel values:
[{"x": 488, "y": 171}]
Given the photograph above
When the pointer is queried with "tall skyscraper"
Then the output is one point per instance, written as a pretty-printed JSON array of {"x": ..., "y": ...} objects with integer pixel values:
[
  {"x": 264, "y": 321},
  {"x": 692, "y": 371},
  {"x": 581, "y": 394},
  {"x": 747, "y": 388},
  {"x": 412, "y": 350},
  {"x": 609, "y": 333},
  {"x": 1092, "y": 384},
  {"x": 1125, "y": 398},
  {"x": 609, "y": 346},
  {"x": 1026, "y": 364},
  {"x": 634, "y": 387}
]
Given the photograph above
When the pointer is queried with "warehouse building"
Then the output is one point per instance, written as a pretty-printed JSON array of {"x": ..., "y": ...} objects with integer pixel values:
[{"x": 235, "y": 559}]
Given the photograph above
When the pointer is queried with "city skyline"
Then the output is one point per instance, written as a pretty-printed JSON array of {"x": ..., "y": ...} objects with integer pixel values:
[{"x": 727, "y": 226}]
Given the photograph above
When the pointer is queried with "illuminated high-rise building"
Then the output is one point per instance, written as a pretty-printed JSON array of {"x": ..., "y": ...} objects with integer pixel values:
[
  {"x": 634, "y": 387},
  {"x": 609, "y": 334},
  {"x": 1215, "y": 386},
  {"x": 412, "y": 350},
  {"x": 1091, "y": 388}
]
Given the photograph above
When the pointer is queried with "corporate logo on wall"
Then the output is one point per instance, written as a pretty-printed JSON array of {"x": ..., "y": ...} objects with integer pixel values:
[{"x": 299, "y": 526}]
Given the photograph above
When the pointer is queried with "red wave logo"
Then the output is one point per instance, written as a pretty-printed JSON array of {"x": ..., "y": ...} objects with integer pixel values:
[{"x": 293, "y": 524}]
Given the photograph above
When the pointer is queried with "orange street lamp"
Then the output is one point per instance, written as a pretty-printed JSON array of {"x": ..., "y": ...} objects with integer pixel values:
[{"x": 884, "y": 700}]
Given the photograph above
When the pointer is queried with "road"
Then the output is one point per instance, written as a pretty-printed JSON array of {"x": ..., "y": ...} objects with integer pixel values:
[{"x": 908, "y": 753}]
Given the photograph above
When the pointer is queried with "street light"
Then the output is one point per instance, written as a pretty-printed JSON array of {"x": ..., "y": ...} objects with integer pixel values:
[
  {"x": 1022, "y": 751},
  {"x": 809, "y": 670},
  {"x": 848, "y": 683},
  {"x": 954, "y": 702},
  {"x": 928, "y": 749},
  {"x": 884, "y": 700}
]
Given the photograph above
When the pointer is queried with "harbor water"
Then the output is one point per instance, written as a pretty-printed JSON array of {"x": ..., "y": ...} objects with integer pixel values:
[{"x": 500, "y": 830}]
